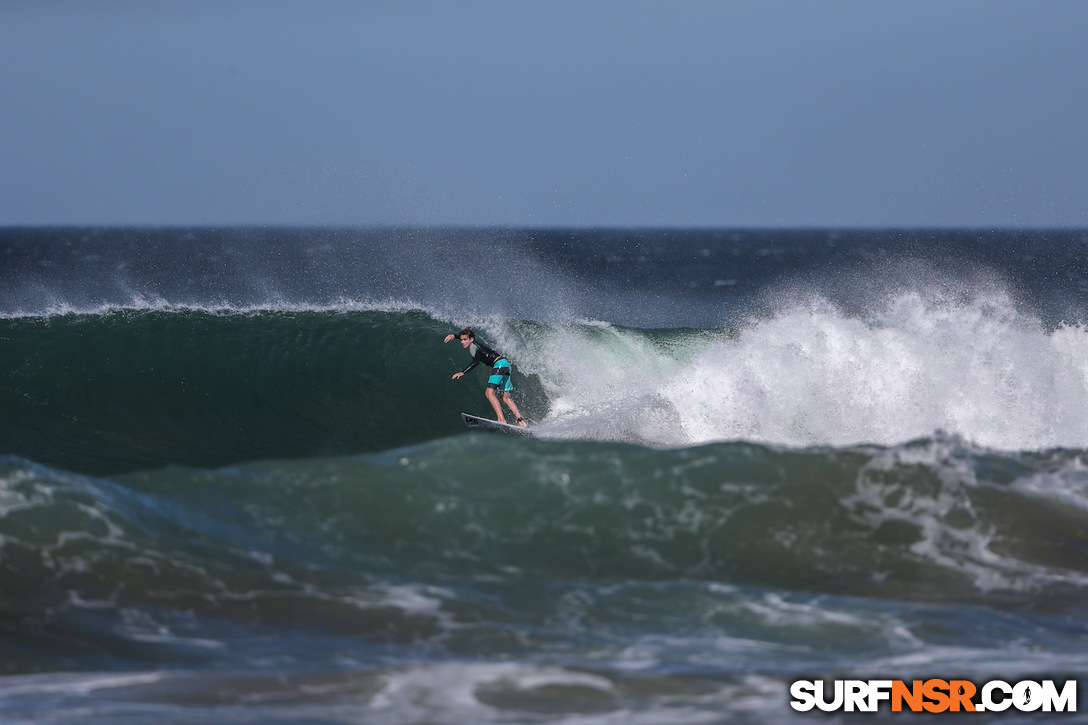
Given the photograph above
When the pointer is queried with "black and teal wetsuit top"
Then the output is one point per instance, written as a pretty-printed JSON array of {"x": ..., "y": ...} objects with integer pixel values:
[
  {"x": 487, "y": 356},
  {"x": 499, "y": 379}
]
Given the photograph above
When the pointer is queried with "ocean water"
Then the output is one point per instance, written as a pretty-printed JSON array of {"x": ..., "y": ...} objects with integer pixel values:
[{"x": 235, "y": 488}]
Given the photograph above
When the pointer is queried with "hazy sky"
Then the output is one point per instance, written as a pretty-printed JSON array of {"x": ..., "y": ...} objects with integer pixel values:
[{"x": 754, "y": 113}]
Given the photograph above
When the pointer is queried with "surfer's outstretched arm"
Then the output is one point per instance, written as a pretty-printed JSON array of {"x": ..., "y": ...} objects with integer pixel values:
[{"x": 465, "y": 342}]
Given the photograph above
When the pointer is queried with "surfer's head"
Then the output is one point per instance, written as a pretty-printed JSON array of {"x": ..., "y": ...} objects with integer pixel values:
[{"x": 467, "y": 336}]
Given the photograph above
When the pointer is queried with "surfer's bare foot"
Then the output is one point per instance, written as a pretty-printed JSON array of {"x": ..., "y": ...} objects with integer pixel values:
[{"x": 522, "y": 423}]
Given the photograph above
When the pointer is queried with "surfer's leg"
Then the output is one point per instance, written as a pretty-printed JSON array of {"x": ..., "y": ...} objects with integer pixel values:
[
  {"x": 499, "y": 380},
  {"x": 494, "y": 400},
  {"x": 509, "y": 400}
]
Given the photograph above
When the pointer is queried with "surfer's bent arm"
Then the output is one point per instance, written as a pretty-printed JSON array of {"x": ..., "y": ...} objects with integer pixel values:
[{"x": 482, "y": 354}]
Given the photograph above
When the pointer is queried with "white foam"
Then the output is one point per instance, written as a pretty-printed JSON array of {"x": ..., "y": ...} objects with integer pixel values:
[
  {"x": 814, "y": 375},
  {"x": 1015, "y": 660},
  {"x": 20, "y": 490},
  {"x": 142, "y": 626},
  {"x": 451, "y": 692},
  {"x": 155, "y": 303},
  {"x": 72, "y": 684},
  {"x": 413, "y": 599},
  {"x": 1068, "y": 484},
  {"x": 448, "y": 690},
  {"x": 970, "y": 546}
]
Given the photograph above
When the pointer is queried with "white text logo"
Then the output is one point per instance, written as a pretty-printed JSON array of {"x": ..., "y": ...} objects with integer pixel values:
[{"x": 933, "y": 696}]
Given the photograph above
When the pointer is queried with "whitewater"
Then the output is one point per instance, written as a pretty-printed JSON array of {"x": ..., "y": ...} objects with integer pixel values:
[{"x": 234, "y": 485}]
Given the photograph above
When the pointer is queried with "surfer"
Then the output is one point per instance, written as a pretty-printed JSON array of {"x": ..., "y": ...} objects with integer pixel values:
[{"x": 499, "y": 381}]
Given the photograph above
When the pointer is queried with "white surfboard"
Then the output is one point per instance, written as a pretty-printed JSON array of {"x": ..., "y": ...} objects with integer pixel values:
[{"x": 493, "y": 426}]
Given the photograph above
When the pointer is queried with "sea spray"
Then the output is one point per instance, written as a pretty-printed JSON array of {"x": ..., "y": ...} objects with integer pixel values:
[{"x": 814, "y": 375}]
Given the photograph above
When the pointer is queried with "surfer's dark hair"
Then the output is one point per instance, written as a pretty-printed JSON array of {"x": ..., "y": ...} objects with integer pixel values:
[{"x": 467, "y": 331}]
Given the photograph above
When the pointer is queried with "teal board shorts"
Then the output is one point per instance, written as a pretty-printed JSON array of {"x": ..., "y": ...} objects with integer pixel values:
[{"x": 500, "y": 376}]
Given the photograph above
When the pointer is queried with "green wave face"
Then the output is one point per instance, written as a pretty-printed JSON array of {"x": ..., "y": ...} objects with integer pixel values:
[{"x": 125, "y": 390}]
